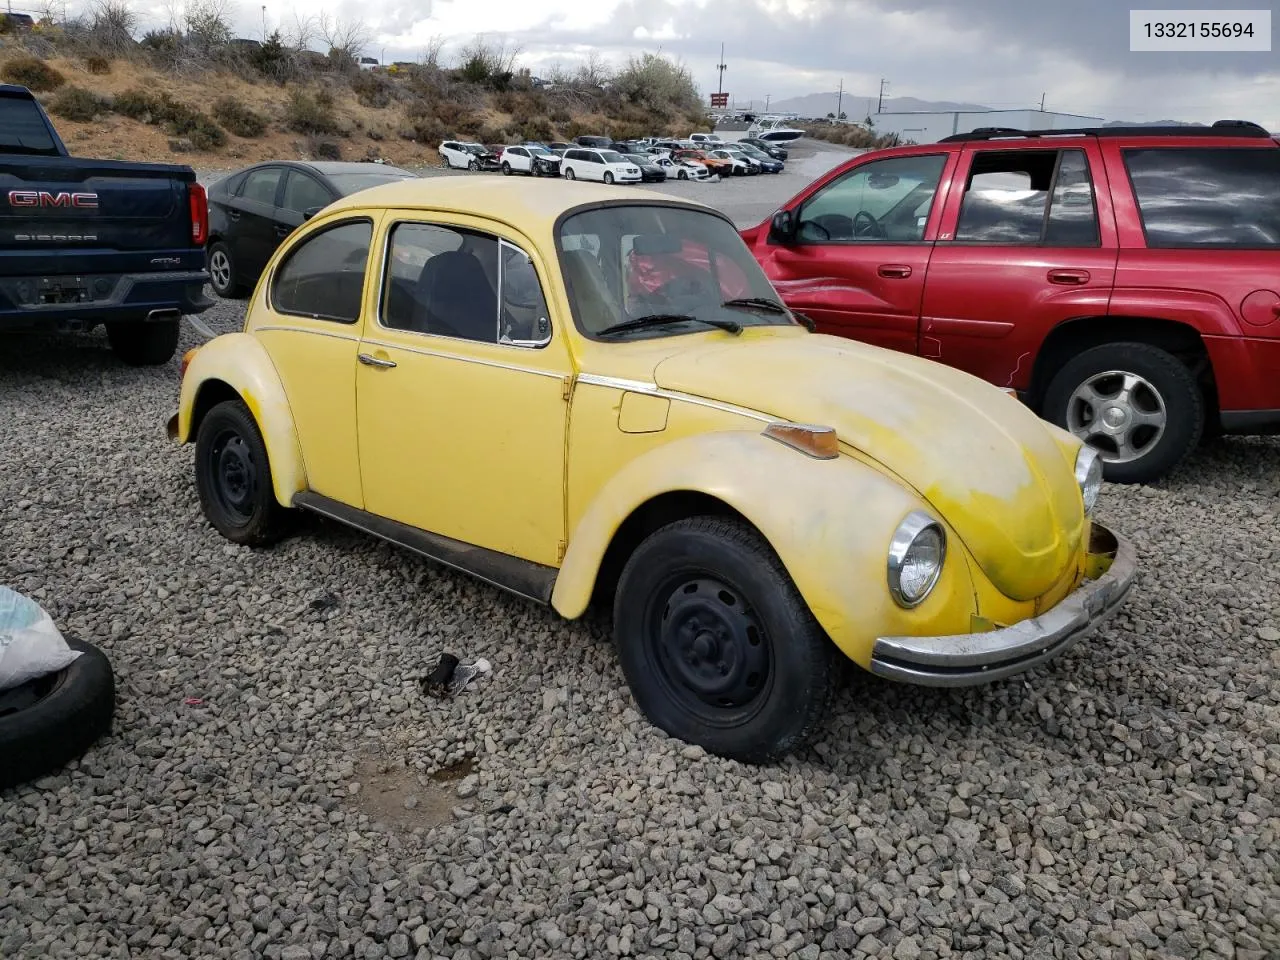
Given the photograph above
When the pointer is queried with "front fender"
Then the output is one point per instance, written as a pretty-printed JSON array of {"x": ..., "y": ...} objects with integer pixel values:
[
  {"x": 829, "y": 521},
  {"x": 241, "y": 362}
]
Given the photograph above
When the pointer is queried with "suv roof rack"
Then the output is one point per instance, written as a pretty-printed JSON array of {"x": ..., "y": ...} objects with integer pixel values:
[{"x": 1220, "y": 128}]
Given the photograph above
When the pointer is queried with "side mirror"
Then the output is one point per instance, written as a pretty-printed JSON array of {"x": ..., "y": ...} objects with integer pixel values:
[
  {"x": 308, "y": 214},
  {"x": 783, "y": 227}
]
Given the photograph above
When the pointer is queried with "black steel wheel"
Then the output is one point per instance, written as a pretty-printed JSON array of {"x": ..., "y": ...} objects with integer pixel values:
[
  {"x": 233, "y": 477},
  {"x": 717, "y": 645}
]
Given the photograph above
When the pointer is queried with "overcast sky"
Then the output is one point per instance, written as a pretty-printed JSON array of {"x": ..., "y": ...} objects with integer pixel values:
[{"x": 1002, "y": 53}]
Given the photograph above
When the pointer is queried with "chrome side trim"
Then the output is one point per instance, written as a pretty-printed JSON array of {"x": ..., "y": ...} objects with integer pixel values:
[
  {"x": 443, "y": 355},
  {"x": 642, "y": 386},
  {"x": 974, "y": 658},
  {"x": 319, "y": 333}
]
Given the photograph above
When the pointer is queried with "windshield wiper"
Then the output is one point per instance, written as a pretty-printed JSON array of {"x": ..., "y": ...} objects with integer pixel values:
[
  {"x": 758, "y": 303},
  {"x": 662, "y": 319}
]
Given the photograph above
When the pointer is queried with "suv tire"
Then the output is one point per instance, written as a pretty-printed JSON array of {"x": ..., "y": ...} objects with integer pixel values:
[
  {"x": 1145, "y": 382},
  {"x": 143, "y": 343}
]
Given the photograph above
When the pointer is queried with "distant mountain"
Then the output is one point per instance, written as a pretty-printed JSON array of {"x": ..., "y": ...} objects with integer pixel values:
[
  {"x": 1151, "y": 123},
  {"x": 856, "y": 107}
]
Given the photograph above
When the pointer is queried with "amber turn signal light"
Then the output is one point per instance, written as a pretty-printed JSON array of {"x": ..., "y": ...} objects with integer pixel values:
[
  {"x": 821, "y": 443},
  {"x": 186, "y": 361}
]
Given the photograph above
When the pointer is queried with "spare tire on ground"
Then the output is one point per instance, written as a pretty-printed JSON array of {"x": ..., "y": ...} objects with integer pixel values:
[{"x": 55, "y": 718}]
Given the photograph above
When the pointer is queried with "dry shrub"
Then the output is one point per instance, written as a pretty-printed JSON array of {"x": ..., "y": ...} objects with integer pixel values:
[
  {"x": 373, "y": 89},
  {"x": 491, "y": 133},
  {"x": 308, "y": 112},
  {"x": 74, "y": 103},
  {"x": 136, "y": 105},
  {"x": 237, "y": 118},
  {"x": 429, "y": 131},
  {"x": 537, "y": 128},
  {"x": 34, "y": 74},
  {"x": 324, "y": 148},
  {"x": 98, "y": 65}
]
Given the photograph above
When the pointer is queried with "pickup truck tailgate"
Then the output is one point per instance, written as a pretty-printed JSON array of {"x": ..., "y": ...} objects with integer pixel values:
[{"x": 56, "y": 203}]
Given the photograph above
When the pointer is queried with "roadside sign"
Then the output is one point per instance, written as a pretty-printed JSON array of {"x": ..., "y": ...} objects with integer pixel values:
[{"x": 719, "y": 99}]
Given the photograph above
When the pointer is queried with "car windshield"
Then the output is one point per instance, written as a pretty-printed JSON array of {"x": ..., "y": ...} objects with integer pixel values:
[
  {"x": 473, "y": 148},
  {"x": 349, "y": 183},
  {"x": 637, "y": 158},
  {"x": 611, "y": 156},
  {"x": 630, "y": 261},
  {"x": 540, "y": 150}
]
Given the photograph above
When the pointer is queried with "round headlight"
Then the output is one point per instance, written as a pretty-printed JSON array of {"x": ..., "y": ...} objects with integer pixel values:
[
  {"x": 916, "y": 553},
  {"x": 1089, "y": 475}
]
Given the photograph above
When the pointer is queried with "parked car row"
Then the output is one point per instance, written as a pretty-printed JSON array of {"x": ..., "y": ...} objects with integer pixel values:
[{"x": 649, "y": 160}]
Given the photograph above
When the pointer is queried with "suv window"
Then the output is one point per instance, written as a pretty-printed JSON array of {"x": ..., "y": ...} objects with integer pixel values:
[
  {"x": 1207, "y": 196},
  {"x": 882, "y": 201},
  {"x": 303, "y": 193},
  {"x": 518, "y": 151},
  {"x": 260, "y": 185},
  {"x": 1029, "y": 197},
  {"x": 323, "y": 276}
]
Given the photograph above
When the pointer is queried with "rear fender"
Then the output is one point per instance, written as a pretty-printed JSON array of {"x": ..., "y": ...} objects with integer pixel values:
[
  {"x": 829, "y": 521},
  {"x": 239, "y": 361}
]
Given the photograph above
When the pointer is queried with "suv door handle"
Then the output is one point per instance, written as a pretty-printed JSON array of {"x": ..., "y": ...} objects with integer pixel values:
[
  {"x": 1070, "y": 277},
  {"x": 371, "y": 361},
  {"x": 894, "y": 270},
  {"x": 233, "y": 214},
  {"x": 282, "y": 230}
]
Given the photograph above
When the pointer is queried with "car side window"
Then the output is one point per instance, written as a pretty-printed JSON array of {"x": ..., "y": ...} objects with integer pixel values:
[
  {"x": 303, "y": 193},
  {"x": 322, "y": 277},
  {"x": 884, "y": 201},
  {"x": 1029, "y": 198},
  {"x": 260, "y": 186},
  {"x": 451, "y": 282},
  {"x": 1073, "y": 216}
]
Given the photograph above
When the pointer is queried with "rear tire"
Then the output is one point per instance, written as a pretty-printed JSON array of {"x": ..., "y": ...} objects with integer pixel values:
[
  {"x": 233, "y": 477},
  {"x": 1129, "y": 381},
  {"x": 55, "y": 718},
  {"x": 222, "y": 271},
  {"x": 506, "y": 169},
  {"x": 718, "y": 646},
  {"x": 143, "y": 343}
]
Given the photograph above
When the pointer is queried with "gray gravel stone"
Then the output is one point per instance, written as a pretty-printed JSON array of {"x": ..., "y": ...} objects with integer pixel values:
[{"x": 1120, "y": 802}]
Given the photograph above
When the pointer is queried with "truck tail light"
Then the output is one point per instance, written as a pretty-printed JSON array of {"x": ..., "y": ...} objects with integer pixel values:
[{"x": 199, "y": 201}]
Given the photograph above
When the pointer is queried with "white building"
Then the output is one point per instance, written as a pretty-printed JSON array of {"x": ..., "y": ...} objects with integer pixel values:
[{"x": 932, "y": 127}]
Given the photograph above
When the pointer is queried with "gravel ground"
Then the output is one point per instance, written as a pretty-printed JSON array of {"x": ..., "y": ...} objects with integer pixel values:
[{"x": 1120, "y": 803}]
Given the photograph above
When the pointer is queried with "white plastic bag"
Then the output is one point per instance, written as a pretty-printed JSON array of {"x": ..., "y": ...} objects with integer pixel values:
[{"x": 30, "y": 644}]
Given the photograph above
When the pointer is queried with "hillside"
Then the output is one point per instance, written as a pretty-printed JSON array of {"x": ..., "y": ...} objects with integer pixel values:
[{"x": 223, "y": 106}]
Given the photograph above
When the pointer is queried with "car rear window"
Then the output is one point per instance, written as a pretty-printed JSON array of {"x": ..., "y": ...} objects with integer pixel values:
[
  {"x": 1207, "y": 196},
  {"x": 22, "y": 129},
  {"x": 349, "y": 183}
]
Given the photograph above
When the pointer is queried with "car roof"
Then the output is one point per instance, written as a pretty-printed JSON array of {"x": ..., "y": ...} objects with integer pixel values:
[{"x": 508, "y": 201}]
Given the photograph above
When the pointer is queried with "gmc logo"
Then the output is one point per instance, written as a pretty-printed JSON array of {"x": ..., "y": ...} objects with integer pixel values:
[{"x": 43, "y": 198}]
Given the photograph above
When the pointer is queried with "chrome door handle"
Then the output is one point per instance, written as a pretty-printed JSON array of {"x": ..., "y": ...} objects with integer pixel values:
[{"x": 371, "y": 361}]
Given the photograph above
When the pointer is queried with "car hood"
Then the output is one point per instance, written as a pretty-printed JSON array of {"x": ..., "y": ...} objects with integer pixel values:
[{"x": 990, "y": 468}]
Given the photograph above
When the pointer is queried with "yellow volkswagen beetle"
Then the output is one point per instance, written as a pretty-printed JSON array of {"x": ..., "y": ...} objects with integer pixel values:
[{"x": 575, "y": 391}]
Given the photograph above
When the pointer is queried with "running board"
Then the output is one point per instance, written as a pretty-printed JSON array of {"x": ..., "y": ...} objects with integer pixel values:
[{"x": 533, "y": 581}]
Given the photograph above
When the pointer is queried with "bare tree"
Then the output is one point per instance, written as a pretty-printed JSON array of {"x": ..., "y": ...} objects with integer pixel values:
[
  {"x": 595, "y": 71},
  {"x": 302, "y": 32},
  {"x": 432, "y": 51},
  {"x": 348, "y": 37},
  {"x": 50, "y": 12},
  {"x": 208, "y": 22},
  {"x": 113, "y": 24}
]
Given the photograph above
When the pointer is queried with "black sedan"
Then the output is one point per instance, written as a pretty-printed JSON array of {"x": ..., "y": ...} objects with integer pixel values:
[
  {"x": 772, "y": 150},
  {"x": 650, "y": 172},
  {"x": 767, "y": 163},
  {"x": 254, "y": 209}
]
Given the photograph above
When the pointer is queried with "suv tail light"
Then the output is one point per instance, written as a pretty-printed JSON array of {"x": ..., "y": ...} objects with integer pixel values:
[{"x": 199, "y": 202}]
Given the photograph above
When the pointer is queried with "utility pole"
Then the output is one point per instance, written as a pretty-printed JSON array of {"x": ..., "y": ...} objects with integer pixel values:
[
  {"x": 264, "y": 23},
  {"x": 722, "y": 68},
  {"x": 880, "y": 102},
  {"x": 767, "y": 96},
  {"x": 840, "y": 98},
  {"x": 1042, "y": 103}
]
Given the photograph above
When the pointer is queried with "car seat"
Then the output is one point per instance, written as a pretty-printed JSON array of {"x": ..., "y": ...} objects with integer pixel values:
[{"x": 455, "y": 298}]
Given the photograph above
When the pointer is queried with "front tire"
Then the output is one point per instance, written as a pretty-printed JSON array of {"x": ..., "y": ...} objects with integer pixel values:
[
  {"x": 506, "y": 169},
  {"x": 473, "y": 166},
  {"x": 233, "y": 477},
  {"x": 717, "y": 645},
  {"x": 608, "y": 178},
  {"x": 1139, "y": 405},
  {"x": 683, "y": 175},
  {"x": 222, "y": 271},
  {"x": 569, "y": 174},
  {"x": 143, "y": 343}
]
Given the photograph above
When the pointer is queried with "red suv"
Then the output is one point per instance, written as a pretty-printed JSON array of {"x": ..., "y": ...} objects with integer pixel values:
[{"x": 1125, "y": 281}]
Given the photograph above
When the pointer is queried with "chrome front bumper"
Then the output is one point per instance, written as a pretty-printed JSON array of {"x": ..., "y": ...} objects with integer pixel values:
[{"x": 969, "y": 659}]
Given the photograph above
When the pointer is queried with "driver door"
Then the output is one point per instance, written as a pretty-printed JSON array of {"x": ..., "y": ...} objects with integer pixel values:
[{"x": 861, "y": 251}]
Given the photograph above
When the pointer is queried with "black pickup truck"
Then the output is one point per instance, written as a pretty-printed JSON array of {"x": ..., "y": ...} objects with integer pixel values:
[{"x": 90, "y": 242}]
